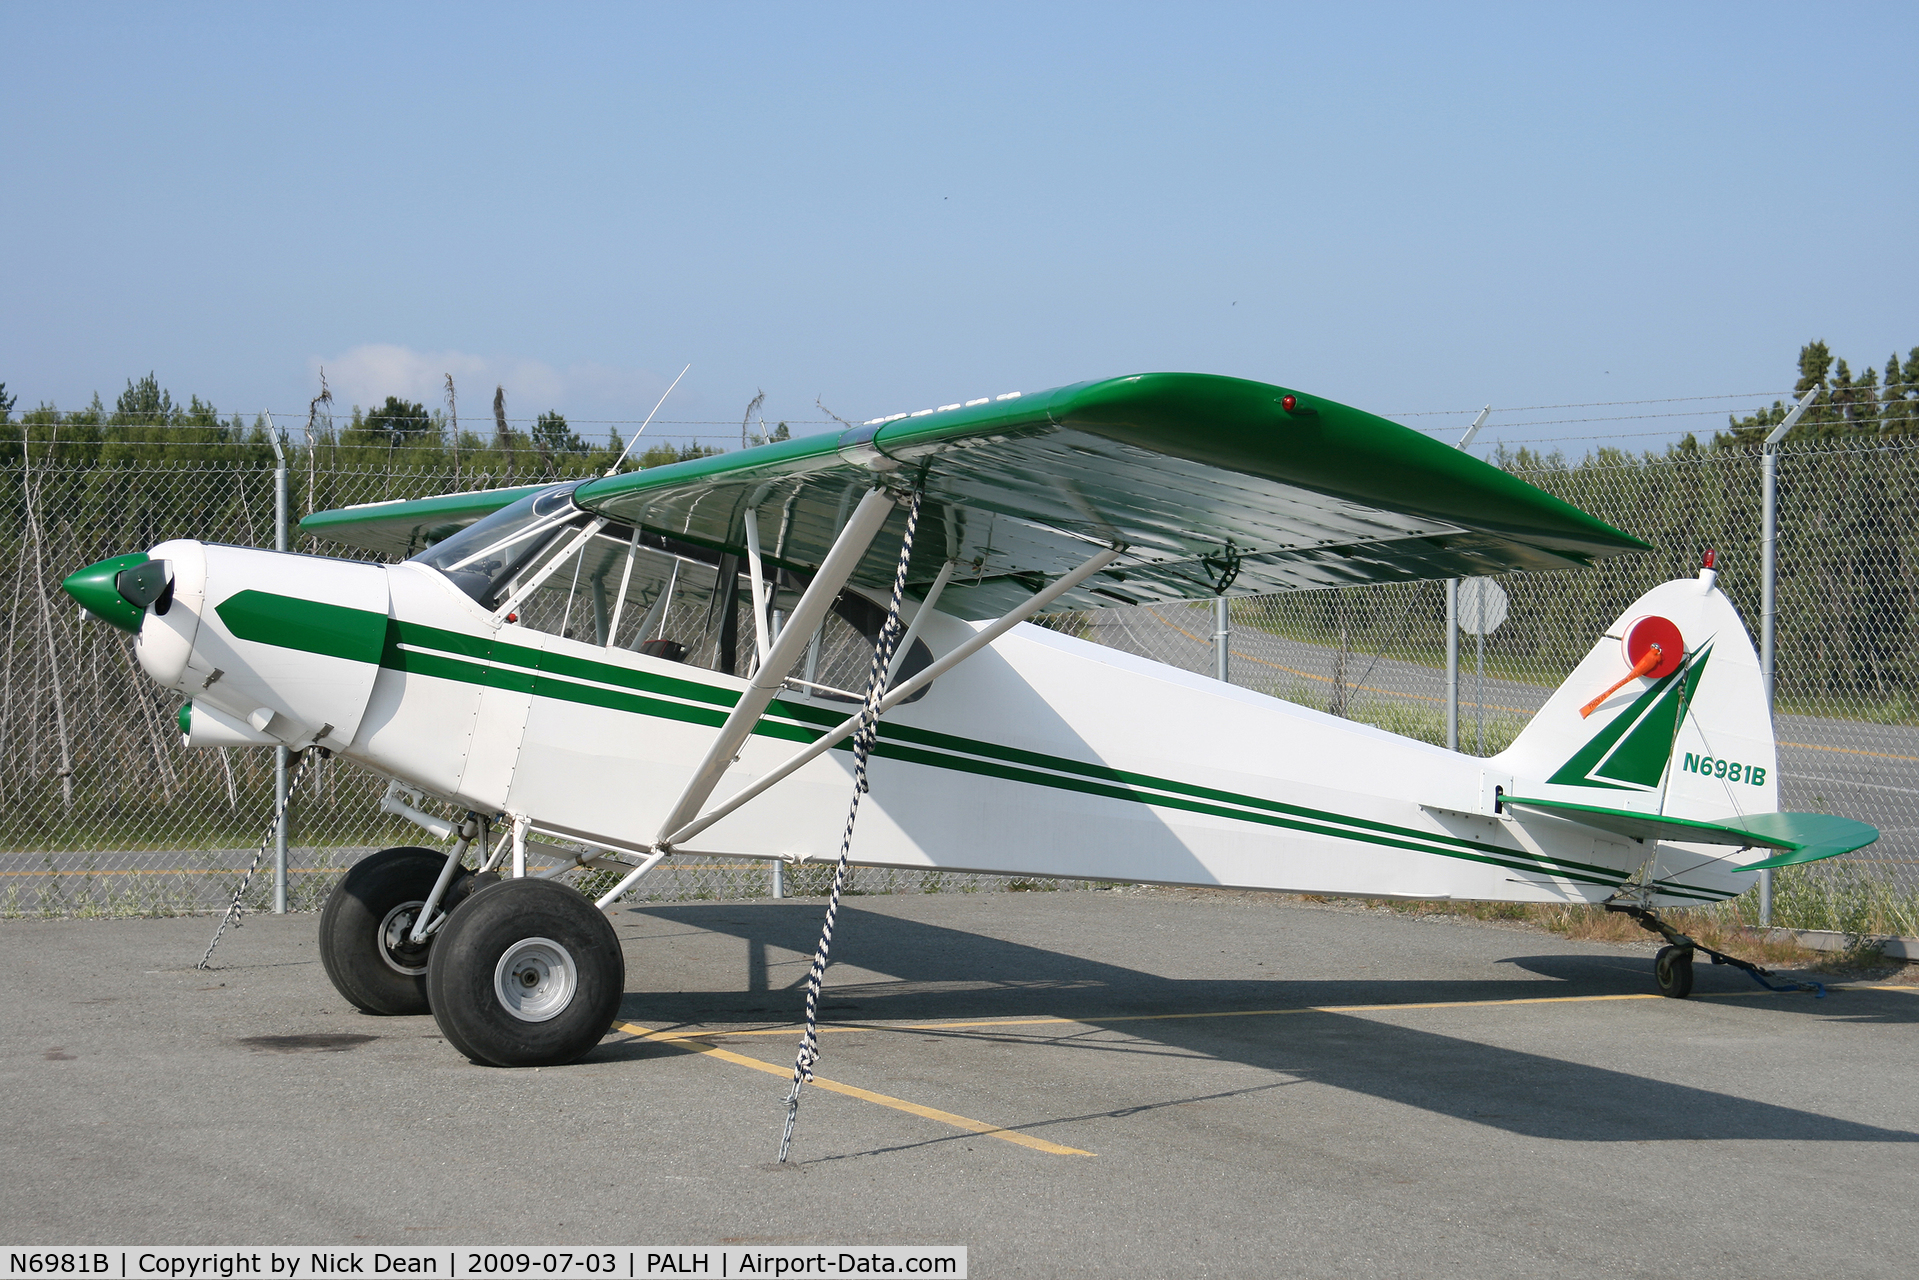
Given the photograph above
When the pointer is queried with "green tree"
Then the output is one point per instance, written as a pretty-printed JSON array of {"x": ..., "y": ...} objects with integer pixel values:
[
  {"x": 1900, "y": 399},
  {"x": 397, "y": 422},
  {"x": 1853, "y": 402},
  {"x": 777, "y": 433},
  {"x": 144, "y": 404},
  {"x": 663, "y": 454},
  {"x": 551, "y": 436},
  {"x": 1848, "y": 406}
]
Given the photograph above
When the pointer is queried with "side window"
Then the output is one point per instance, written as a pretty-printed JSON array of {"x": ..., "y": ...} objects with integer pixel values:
[
  {"x": 576, "y": 598},
  {"x": 837, "y": 663},
  {"x": 668, "y": 608},
  {"x": 683, "y": 603}
]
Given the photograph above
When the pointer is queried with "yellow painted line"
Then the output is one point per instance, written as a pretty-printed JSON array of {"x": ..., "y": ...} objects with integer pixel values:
[
  {"x": 1308, "y": 675},
  {"x": 1169, "y": 1017},
  {"x": 853, "y": 1091},
  {"x": 1849, "y": 751},
  {"x": 174, "y": 871},
  {"x": 81, "y": 874},
  {"x": 1490, "y": 706},
  {"x": 988, "y": 1024}
]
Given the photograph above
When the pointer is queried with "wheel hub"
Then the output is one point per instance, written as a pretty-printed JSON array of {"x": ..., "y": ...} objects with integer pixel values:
[
  {"x": 401, "y": 954},
  {"x": 535, "y": 979}
]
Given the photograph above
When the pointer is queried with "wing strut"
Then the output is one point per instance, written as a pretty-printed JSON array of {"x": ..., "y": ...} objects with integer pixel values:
[
  {"x": 679, "y": 828},
  {"x": 920, "y": 615},
  {"x": 757, "y": 574},
  {"x": 861, "y": 528}
]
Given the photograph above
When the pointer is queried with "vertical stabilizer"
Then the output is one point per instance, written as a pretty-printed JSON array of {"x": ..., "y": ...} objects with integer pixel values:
[{"x": 1691, "y": 737}]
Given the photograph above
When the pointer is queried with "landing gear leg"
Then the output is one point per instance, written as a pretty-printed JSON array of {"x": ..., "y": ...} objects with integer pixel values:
[
  {"x": 1672, "y": 967},
  {"x": 366, "y": 927}
]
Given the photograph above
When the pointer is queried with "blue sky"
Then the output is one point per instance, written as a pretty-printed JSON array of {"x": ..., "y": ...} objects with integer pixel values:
[{"x": 1409, "y": 208}]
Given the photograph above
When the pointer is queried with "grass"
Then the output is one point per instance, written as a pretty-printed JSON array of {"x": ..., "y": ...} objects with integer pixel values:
[
  {"x": 1424, "y": 722},
  {"x": 1720, "y": 929},
  {"x": 1842, "y": 899},
  {"x": 1842, "y": 896},
  {"x": 1894, "y": 707}
]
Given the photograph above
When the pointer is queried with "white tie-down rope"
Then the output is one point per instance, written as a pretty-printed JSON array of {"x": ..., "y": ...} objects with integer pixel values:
[{"x": 863, "y": 739}]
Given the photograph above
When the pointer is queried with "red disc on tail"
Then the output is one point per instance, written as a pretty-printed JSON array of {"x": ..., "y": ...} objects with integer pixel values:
[{"x": 1652, "y": 630}]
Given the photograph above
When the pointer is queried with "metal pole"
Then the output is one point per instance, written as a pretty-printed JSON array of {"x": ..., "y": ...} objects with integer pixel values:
[
  {"x": 1768, "y": 604},
  {"x": 1452, "y": 664},
  {"x": 1452, "y": 619},
  {"x": 280, "y": 754},
  {"x": 779, "y": 878},
  {"x": 1769, "y": 581},
  {"x": 1479, "y": 686},
  {"x": 1222, "y": 635},
  {"x": 1768, "y": 563}
]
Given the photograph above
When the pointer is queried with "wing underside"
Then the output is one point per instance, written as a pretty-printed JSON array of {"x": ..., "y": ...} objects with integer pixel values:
[{"x": 1211, "y": 485}]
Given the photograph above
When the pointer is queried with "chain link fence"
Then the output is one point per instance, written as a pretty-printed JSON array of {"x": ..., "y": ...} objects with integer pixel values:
[
  {"x": 102, "y": 812},
  {"x": 1847, "y": 653}
]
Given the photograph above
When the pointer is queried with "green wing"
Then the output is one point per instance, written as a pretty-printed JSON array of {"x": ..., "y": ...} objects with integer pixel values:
[
  {"x": 1211, "y": 484},
  {"x": 406, "y": 527}
]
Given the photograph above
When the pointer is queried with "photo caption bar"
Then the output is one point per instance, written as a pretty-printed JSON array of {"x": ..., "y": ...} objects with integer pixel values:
[{"x": 484, "y": 1262}]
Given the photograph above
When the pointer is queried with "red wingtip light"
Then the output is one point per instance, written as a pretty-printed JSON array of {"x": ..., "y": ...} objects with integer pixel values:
[
  {"x": 1289, "y": 403},
  {"x": 1710, "y": 557}
]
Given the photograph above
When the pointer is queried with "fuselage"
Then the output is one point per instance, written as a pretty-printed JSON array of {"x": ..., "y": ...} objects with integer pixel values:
[{"x": 1042, "y": 755}]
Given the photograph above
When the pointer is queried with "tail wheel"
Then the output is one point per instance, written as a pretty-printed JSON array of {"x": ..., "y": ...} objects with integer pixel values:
[
  {"x": 527, "y": 973},
  {"x": 367, "y": 923},
  {"x": 1672, "y": 967}
]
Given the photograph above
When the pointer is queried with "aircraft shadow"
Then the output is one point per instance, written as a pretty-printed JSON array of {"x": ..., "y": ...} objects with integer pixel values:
[{"x": 944, "y": 974}]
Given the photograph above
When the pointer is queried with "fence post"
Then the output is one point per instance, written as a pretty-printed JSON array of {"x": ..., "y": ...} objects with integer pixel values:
[
  {"x": 1769, "y": 581},
  {"x": 1452, "y": 664},
  {"x": 1452, "y": 620},
  {"x": 1222, "y": 634},
  {"x": 279, "y": 753}
]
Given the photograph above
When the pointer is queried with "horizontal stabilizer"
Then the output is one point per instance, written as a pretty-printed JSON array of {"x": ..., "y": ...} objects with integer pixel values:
[{"x": 1800, "y": 837}]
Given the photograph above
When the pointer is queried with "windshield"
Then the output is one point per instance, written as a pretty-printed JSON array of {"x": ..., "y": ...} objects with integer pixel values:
[{"x": 483, "y": 559}]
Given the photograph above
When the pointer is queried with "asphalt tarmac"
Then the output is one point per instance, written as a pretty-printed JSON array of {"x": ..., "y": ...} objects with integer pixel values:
[{"x": 1094, "y": 1083}]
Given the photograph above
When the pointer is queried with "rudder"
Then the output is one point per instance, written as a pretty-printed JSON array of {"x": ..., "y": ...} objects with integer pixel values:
[{"x": 1691, "y": 738}]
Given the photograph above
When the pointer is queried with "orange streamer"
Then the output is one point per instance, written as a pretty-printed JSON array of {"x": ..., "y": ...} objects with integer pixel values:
[{"x": 1645, "y": 664}]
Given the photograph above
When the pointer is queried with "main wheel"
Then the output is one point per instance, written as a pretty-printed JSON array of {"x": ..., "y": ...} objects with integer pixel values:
[
  {"x": 527, "y": 973},
  {"x": 364, "y": 927},
  {"x": 1672, "y": 967}
]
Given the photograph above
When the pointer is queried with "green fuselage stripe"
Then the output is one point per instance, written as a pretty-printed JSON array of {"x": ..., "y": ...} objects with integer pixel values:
[
  {"x": 927, "y": 747},
  {"x": 481, "y": 660}
]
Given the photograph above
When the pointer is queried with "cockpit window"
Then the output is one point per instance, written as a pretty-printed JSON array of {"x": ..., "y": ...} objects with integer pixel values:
[
  {"x": 484, "y": 559},
  {"x": 570, "y": 574}
]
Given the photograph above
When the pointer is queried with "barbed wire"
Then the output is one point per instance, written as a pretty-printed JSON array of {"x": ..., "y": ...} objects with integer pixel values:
[
  {"x": 1624, "y": 417},
  {"x": 121, "y": 419},
  {"x": 1495, "y": 428},
  {"x": 1593, "y": 404}
]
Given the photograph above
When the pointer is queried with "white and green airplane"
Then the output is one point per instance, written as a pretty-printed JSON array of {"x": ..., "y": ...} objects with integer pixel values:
[{"x": 669, "y": 663}]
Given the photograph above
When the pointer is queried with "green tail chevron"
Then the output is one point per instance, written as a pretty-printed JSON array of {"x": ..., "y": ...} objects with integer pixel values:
[{"x": 1631, "y": 752}]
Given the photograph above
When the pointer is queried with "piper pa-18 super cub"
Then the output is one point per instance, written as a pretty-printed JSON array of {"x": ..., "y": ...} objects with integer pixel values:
[{"x": 671, "y": 662}]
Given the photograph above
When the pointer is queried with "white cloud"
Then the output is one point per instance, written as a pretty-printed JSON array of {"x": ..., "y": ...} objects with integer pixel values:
[{"x": 367, "y": 375}]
